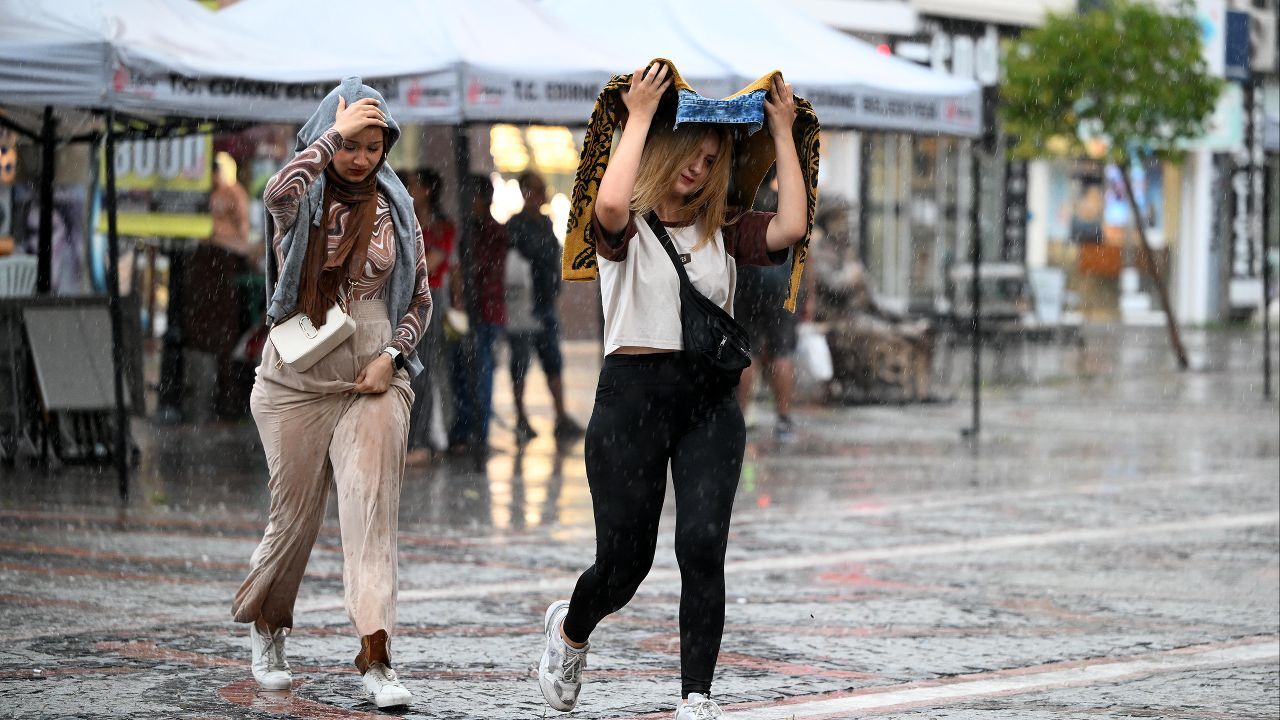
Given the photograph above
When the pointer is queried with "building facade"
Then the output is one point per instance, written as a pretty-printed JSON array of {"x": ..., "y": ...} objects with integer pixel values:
[{"x": 910, "y": 196}]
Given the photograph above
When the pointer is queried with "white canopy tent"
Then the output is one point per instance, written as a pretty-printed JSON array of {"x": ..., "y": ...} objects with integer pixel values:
[
  {"x": 448, "y": 62},
  {"x": 444, "y": 61},
  {"x": 150, "y": 57},
  {"x": 62, "y": 62},
  {"x": 176, "y": 65},
  {"x": 272, "y": 60},
  {"x": 721, "y": 45}
]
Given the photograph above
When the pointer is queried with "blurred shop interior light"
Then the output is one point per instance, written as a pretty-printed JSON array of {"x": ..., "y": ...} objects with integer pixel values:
[
  {"x": 551, "y": 149},
  {"x": 507, "y": 146},
  {"x": 548, "y": 149}
]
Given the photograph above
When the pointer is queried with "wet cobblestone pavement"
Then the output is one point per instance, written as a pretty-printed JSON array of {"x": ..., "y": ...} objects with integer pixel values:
[{"x": 1111, "y": 550}]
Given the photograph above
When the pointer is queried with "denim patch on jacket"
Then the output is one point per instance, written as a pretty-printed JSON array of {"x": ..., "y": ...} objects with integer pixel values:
[{"x": 745, "y": 110}]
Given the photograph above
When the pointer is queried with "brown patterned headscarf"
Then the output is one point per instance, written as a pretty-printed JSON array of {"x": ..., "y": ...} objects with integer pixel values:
[{"x": 322, "y": 271}]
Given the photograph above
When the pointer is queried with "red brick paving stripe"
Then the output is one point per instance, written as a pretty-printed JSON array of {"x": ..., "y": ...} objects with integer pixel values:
[
  {"x": 151, "y": 651},
  {"x": 66, "y": 672},
  {"x": 96, "y": 554},
  {"x": 1117, "y": 710},
  {"x": 752, "y": 662},
  {"x": 460, "y": 631},
  {"x": 106, "y": 574},
  {"x": 855, "y": 575},
  {"x": 88, "y": 554},
  {"x": 125, "y": 518},
  {"x": 245, "y": 693},
  {"x": 215, "y": 526},
  {"x": 33, "y": 601}
]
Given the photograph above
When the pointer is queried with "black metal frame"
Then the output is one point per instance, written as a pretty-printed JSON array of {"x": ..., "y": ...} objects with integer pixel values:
[{"x": 117, "y": 126}]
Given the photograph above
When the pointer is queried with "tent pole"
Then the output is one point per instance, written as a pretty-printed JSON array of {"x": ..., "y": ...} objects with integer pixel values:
[
  {"x": 466, "y": 264},
  {"x": 975, "y": 288},
  {"x": 48, "y": 145},
  {"x": 461, "y": 169},
  {"x": 1256, "y": 201},
  {"x": 864, "y": 195},
  {"x": 120, "y": 455}
]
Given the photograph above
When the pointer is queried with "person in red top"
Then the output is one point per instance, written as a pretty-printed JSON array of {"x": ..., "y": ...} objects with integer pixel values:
[
  {"x": 482, "y": 265},
  {"x": 438, "y": 233}
]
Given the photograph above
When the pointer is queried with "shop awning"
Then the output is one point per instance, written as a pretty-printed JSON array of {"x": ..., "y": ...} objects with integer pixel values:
[{"x": 719, "y": 44}]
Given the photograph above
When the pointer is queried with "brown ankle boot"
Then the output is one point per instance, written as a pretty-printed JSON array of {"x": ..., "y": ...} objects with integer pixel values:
[{"x": 375, "y": 648}]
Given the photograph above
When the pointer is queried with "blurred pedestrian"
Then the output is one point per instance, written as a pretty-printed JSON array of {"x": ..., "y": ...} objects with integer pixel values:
[
  {"x": 533, "y": 238},
  {"x": 438, "y": 233},
  {"x": 215, "y": 301},
  {"x": 654, "y": 404},
  {"x": 758, "y": 305},
  {"x": 874, "y": 350},
  {"x": 229, "y": 208},
  {"x": 342, "y": 232},
  {"x": 482, "y": 261}
]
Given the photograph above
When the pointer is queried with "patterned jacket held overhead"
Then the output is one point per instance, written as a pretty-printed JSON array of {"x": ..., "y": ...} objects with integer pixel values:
[{"x": 752, "y": 157}]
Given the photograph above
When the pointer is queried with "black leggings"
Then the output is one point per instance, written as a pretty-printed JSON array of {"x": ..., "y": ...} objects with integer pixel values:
[{"x": 651, "y": 409}]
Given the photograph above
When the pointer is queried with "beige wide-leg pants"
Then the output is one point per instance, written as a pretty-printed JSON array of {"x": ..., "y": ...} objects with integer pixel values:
[{"x": 314, "y": 434}]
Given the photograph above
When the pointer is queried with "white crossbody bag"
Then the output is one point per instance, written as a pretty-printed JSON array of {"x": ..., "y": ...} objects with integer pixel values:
[{"x": 301, "y": 344}]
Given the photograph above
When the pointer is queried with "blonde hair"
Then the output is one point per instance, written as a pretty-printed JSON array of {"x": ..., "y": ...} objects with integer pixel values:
[{"x": 667, "y": 152}]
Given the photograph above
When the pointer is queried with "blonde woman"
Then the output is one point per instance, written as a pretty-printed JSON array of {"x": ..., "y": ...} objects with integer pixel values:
[
  {"x": 654, "y": 407},
  {"x": 342, "y": 228}
]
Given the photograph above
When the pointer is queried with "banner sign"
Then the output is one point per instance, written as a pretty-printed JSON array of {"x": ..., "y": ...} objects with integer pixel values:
[
  {"x": 1236, "y": 59},
  {"x": 162, "y": 187},
  {"x": 416, "y": 98},
  {"x": 960, "y": 115},
  {"x": 481, "y": 96}
]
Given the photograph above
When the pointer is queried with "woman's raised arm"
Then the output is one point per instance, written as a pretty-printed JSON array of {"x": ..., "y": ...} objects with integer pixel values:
[
  {"x": 789, "y": 225},
  {"x": 613, "y": 203}
]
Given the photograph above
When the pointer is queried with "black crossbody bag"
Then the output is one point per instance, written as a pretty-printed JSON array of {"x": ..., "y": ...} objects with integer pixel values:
[{"x": 715, "y": 341}]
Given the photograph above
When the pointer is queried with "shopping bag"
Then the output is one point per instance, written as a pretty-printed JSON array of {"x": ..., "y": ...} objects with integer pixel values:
[
  {"x": 812, "y": 353},
  {"x": 517, "y": 284}
]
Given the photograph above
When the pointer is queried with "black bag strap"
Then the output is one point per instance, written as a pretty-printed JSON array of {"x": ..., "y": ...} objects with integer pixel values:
[{"x": 663, "y": 237}]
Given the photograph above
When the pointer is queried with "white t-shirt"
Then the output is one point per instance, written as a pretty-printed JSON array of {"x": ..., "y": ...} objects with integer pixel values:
[{"x": 640, "y": 289}]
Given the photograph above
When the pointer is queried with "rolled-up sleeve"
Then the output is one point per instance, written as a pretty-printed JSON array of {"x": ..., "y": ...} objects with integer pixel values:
[
  {"x": 613, "y": 246},
  {"x": 745, "y": 240}
]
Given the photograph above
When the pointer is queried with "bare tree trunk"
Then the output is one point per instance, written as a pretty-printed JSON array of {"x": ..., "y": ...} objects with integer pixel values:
[{"x": 1174, "y": 339}]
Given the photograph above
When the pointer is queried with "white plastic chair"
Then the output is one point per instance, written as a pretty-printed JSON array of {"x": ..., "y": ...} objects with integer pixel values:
[{"x": 17, "y": 276}]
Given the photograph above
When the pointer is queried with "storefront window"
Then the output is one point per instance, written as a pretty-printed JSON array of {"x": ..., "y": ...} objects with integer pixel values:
[
  {"x": 913, "y": 206},
  {"x": 1091, "y": 231}
]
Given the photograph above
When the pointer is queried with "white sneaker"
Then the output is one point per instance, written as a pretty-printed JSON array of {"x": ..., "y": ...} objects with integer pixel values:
[
  {"x": 381, "y": 682},
  {"x": 270, "y": 668},
  {"x": 698, "y": 707},
  {"x": 560, "y": 670}
]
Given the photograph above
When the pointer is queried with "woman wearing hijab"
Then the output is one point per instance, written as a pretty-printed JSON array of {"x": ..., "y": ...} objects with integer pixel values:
[
  {"x": 343, "y": 231},
  {"x": 655, "y": 405}
]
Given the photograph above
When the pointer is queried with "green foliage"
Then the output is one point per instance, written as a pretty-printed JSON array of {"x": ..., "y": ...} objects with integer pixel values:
[{"x": 1127, "y": 72}]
